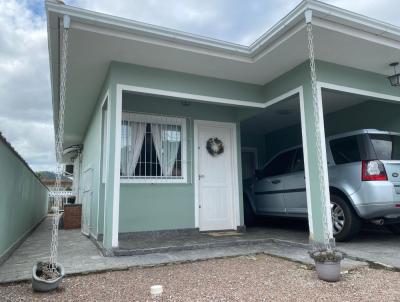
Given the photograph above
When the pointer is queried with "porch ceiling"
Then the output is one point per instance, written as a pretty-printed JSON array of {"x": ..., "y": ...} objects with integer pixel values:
[
  {"x": 96, "y": 39},
  {"x": 287, "y": 112}
]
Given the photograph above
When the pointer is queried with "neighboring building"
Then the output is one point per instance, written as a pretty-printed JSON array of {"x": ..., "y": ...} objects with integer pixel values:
[
  {"x": 49, "y": 179},
  {"x": 66, "y": 191},
  {"x": 163, "y": 115}
]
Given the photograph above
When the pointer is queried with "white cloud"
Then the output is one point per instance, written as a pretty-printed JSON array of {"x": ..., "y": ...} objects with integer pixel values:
[
  {"x": 231, "y": 20},
  {"x": 25, "y": 100},
  {"x": 26, "y": 114},
  {"x": 384, "y": 10}
]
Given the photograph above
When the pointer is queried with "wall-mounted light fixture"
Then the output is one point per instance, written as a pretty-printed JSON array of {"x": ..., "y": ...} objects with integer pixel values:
[{"x": 394, "y": 79}]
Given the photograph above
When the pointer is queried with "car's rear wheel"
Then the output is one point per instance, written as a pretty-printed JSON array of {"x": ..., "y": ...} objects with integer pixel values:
[
  {"x": 394, "y": 228},
  {"x": 345, "y": 222},
  {"x": 250, "y": 219}
]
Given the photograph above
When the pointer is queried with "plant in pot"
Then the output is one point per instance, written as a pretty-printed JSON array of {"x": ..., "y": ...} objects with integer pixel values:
[
  {"x": 327, "y": 264},
  {"x": 47, "y": 276}
]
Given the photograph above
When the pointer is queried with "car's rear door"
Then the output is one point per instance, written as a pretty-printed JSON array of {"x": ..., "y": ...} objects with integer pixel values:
[
  {"x": 295, "y": 187},
  {"x": 269, "y": 188}
]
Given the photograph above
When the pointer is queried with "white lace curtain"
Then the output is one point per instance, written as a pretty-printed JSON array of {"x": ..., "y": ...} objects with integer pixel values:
[
  {"x": 135, "y": 133},
  {"x": 166, "y": 143}
]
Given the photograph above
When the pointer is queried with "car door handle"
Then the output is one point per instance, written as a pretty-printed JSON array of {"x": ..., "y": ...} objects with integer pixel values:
[{"x": 276, "y": 181}]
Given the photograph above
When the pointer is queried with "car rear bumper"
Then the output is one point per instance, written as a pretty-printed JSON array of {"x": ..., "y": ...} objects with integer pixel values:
[
  {"x": 379, "y": 210},
  {"x": 377, "y": 199}
]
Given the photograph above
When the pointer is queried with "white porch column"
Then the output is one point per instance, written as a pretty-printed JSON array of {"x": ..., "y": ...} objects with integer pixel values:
[
  {"x": 112, "y": 188},
  {"x": 314, "y": 149}
]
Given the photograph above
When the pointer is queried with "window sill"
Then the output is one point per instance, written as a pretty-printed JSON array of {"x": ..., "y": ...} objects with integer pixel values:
[{"x": 153, "y": 181}]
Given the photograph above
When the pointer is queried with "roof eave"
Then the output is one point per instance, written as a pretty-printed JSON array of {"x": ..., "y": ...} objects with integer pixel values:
[
  {"x": 197, "y": 43},
  {"x": 53, "y": 61},
  {"x": 320, "y": 9}
]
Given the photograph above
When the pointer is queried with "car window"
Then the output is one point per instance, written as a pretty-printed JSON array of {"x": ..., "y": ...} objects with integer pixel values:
[
  {"x": 386, "y": 147},
  {"x": 345, "y": 150},
  {"x": 298, "y": 163},
  {"x": 280, "y": 165}
]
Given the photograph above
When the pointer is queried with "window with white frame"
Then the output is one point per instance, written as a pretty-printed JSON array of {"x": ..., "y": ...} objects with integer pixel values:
[{"x": 153, "y": 148}]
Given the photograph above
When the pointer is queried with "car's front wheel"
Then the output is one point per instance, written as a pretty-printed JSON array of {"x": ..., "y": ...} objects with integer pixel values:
[{"x": 345, "y": 222}]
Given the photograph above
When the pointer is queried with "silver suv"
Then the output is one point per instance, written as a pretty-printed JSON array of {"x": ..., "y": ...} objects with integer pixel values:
[{"x": 364, "y": 179}]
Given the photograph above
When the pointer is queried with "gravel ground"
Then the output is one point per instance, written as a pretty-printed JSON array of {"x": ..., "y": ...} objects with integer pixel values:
[{"x": 251, "y": 278}]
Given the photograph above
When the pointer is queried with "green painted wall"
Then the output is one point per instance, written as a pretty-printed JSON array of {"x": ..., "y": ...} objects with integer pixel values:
[
  {"x": 142, "y": 76},
  {"x": 91, "y": 160},
  {"x": 23, "y": 198},
  {"x": 145, "y": 207},
  {"x": 256, "y": 141},
  {"x": 355, "y": 78},
  {"x": 153, "y": 213},
  {"x": 370, "y": 115}
]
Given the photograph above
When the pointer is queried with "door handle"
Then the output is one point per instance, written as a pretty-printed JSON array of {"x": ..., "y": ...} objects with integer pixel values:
[
  {"x": 276, "y": 181},
  {"x": 201, "y": 176}
]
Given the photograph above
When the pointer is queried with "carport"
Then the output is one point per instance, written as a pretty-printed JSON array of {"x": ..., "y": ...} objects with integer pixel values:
[{"x": 278, "y": 127}]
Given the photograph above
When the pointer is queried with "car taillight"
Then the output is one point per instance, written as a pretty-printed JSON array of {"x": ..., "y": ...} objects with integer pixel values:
[{"x": 373, "y": 170}]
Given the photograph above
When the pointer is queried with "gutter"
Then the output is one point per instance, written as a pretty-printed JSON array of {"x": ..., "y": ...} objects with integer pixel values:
[
  {"x": 321, "y": 10},
  {"x": 373, "y": 26}
]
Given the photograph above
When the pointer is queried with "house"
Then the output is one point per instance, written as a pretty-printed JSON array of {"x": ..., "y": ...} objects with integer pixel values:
[
  {"x": 49, "y": 179},
  {"x": 163, "y": 115}
]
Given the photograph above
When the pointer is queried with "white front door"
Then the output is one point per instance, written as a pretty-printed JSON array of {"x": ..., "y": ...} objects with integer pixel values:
[{"x": 215, "y": 179}]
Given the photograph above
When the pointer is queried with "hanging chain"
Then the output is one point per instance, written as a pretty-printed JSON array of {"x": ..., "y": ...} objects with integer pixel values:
[
  {"x": 316, "y": 108},
  {"x": 59, "y": 149}
]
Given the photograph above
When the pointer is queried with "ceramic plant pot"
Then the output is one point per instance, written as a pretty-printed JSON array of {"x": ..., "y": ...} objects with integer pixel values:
[
  {"x": 41, "y": 285},
  {"x": 328, "y": 271}
]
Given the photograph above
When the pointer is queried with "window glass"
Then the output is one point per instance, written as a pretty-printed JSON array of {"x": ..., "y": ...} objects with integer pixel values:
[
  {"x": 280, "y": 165},
  {"x": 386, "y": 147},
  {"x": 298, "y": 163},
  {"x": 345, "y": 150},
  {"x": 151, "y": 147}
]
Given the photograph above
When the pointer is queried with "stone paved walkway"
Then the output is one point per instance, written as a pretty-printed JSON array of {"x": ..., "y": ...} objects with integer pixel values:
[{"x": 79, "y": 255}]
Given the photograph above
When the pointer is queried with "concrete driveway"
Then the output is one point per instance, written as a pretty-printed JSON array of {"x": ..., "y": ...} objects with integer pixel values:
[
  {"x": 374, "y": 244},
  {"x": 283, "y": 238}
]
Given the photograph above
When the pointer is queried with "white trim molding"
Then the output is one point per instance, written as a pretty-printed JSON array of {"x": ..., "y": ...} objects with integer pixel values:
[
  {"x": 306, "y": 164},
  {"x": 363, "y": 92},
  {"x": 207, "y": 99},
  {"x": 117, "y": 164},
  {"x": 150, "y": 118},
  {"x": 103, "y": 174}
]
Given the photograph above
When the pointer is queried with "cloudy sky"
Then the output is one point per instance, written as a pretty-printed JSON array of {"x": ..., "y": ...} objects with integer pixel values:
[{"x": 25, "y": 103}]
